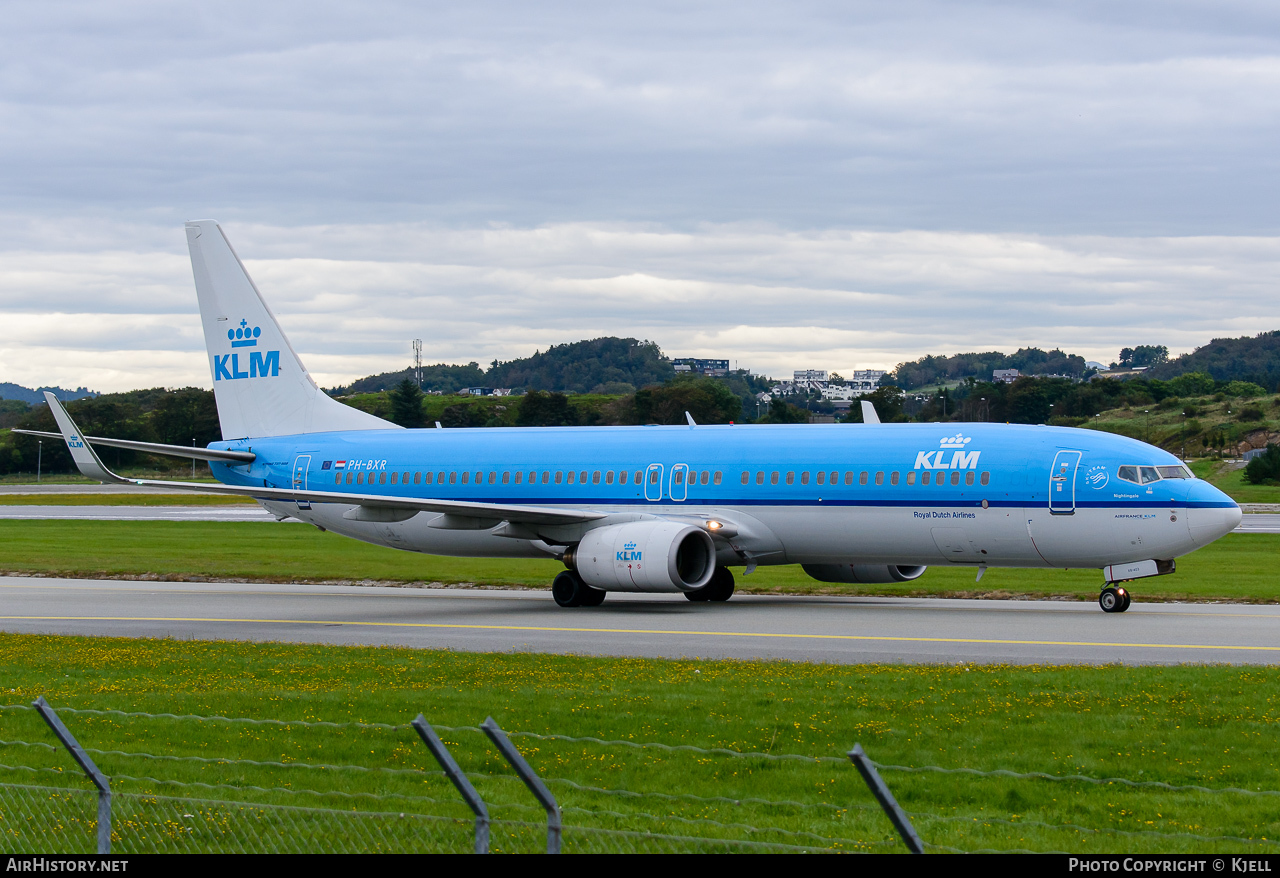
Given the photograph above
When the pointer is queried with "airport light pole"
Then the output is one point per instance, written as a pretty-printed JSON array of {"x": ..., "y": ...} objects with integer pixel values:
[
  {"x": 39, "y": 458},
  {"x": 193, "y": 460}
]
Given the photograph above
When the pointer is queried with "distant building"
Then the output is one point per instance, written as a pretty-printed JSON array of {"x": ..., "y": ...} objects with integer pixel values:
[
  {"x": 486, "y": 391},
  {"x": 711, "y": 368},
  {"x": 810, "y": 375},
  {"x": 1005, "y": 376}
]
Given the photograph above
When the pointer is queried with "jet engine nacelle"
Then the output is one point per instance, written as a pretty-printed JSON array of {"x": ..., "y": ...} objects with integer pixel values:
[
  {"x": 652, "y": 556},
  {"x": 864, "y": 573}
]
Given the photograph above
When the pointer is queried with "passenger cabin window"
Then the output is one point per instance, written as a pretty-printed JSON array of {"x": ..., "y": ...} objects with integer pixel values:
[
  {"x": 338, "y": 479},
  {"x": 582, "y": 477},
  {"x": 706, "y": 477},
  {"x": 718, "y": 476},
  {"x": 879, "y": 478},
  {"x": 822, "y": 478},
  {"x": 968, "y": 477},
  {"x": 653, "y": 477},
  {"x": 417, "y": 478},
  {"x": 893, "y": 478},
  {"x": 520, "y": 477},
  {"x": 760, "y": 478},
  {"x": 466, "y": 478},
  {"x": 911, "y": 477},
  {"x": 639, "y": 479},
  {"x": 848, "y": 478},
  {"x": 955, "y": 478},
  {"x": 986, "y": 478},
  {"x": 506, "y": 478},
  {"x": 608, "y": 478},
  {"x": 393, "y": 478},
  {"x": 493, "y": 477},
  {"x": 479, "y": 478},
  {"x": 679, "y": 477},
  {"x": 560, "y": 476},
  {"x": 572, "y": 476},
  {"x": 746, "y": 477},
  {"x": 546, "y": 476},
  {"x": 804, "y": 478},
  {"x": 862, "y": 478},
  {"x": 359, "y": 478},
  {"x": 773, "y": 477},
  {"x": 440, "y": 478}
]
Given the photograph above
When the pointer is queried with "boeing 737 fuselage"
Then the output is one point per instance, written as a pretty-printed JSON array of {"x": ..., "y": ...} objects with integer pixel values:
[{"x": 672, "y": 509}]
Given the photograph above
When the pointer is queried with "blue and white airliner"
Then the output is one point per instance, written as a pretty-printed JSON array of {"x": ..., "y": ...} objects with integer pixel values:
[{"x": 673, "y": 508}]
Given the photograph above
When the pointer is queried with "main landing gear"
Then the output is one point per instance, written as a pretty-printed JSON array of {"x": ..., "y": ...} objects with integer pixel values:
[
  {"x": 1114, "y": 598},
  {"x": 720, "y": 588},
  {"x": 570, "y": 591}
]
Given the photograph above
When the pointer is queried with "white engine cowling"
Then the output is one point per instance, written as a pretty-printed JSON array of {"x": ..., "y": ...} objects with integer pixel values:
[
  {"x": 645, "y": 556},
  {"x": 864, "y": 573}
]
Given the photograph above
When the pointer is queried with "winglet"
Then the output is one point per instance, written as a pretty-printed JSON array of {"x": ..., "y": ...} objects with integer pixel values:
[
  {"x": 869, "y": 415},
  {"x": 81, "y": 452},
  {"x": 688, "y": 417}
]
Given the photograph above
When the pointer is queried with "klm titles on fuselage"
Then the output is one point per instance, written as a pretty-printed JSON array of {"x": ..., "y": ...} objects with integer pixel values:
[
  {"x": 960, "y": 459},
  {"x": 261, "y": 364}
]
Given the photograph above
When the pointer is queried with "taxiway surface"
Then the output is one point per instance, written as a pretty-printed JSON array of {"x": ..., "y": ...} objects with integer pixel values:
[{"x": 828, "y": 629}]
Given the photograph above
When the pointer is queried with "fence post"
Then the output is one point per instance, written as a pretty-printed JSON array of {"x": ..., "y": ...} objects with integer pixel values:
[
  {"x": 454, "y": 773},
  {"x": 86, "y": 765},
  {"x": 531, "y": 780},
  {"x": 890, "y": 805}
]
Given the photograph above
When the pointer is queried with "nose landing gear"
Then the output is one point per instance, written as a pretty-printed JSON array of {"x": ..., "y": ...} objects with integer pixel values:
[{"x": 1114, "y": 599}]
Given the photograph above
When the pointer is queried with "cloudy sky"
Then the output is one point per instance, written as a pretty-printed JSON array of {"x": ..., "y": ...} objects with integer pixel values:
[{"x": 841, "y": 185}]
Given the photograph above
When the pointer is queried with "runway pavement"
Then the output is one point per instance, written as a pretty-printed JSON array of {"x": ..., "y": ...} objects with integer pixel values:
[
  {"x": 825, "y": 629},
  {"x": 138, "y": 513}
]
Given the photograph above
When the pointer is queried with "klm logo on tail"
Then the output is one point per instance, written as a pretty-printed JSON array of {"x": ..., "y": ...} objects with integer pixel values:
[{"x": 262, "y": 364}]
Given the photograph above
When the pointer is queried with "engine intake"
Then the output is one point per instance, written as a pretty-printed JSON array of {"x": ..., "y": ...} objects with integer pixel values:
[
  {"x": 652, "y": 556},
  {"x": 864, "y": 573}
]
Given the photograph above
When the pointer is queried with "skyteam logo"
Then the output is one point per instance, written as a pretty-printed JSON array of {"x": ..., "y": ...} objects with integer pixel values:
[
  {"x": 629, "y": 553},
  {"x": 262, "y": 364},
  {"x": 958, "y": 459},
  {"x": 1097, "y": 477}
]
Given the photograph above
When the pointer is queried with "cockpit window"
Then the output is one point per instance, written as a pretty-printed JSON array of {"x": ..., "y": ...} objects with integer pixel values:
[{"x": 1145, "y": 475}]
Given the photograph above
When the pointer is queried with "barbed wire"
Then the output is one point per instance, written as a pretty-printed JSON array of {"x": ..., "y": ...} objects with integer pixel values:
[
  {"x": 40, "y": 744},
  {"x": 222, "y": 760},
  {"x": 1101, "y": 781},
  {"x": 236, "y": 719}
]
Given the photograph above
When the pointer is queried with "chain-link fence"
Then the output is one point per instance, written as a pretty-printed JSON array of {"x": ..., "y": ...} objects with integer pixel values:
[{"x": 170, "y": 784}]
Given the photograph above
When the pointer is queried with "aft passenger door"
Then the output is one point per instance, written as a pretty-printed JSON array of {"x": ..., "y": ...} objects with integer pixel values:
[
  {"x": 301, "y": 464},
  {"x": 1062, "y": 483},
  {"x": 653, "y": 483}
]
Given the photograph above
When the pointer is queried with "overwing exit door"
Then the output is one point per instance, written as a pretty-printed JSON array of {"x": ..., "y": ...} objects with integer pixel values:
[
  {"x": 1062, "y": 483},
  {"x": 679, "y": 490},
  {"x": 301, "y": 464},
  {"x": 653, "y": 482}
]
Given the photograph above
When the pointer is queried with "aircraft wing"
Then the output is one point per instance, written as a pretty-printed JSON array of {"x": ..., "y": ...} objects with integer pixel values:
[
  {"x": 88, "y": 462},
  {"x": 156, "y": 447}
]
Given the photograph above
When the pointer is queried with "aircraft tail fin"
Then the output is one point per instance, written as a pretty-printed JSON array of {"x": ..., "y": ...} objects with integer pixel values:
[{"x": 261, "y": 386}]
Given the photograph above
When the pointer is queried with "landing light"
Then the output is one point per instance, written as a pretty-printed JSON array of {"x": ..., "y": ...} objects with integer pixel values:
[{"x": 714, "y": 525}]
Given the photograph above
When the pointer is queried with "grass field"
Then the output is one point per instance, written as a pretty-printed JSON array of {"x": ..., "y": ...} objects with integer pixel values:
[
  {"x": 1239, "y": 567},
  {"x": 1211, "y": 727}
]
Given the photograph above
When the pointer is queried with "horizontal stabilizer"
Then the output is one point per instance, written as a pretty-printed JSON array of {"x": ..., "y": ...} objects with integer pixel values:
[{"x": 157, "y": 447}]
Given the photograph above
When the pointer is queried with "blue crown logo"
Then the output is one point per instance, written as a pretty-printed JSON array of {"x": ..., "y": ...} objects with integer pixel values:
[{"x": 243, "y": 336}]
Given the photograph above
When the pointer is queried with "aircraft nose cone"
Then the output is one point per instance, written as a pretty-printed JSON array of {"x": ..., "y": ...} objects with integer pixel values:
[{"x": 1208, "y": 523}]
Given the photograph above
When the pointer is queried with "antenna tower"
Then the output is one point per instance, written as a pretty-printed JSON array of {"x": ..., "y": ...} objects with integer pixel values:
[{"x": 417, "y": 361}]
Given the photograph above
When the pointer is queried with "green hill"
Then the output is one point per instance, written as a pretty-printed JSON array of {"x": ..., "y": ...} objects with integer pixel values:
[{"x": 1248, "y": 358}]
